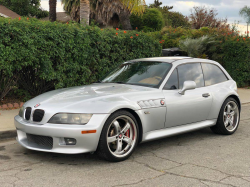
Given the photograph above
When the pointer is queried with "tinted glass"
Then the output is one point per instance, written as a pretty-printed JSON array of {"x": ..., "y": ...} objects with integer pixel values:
[
  {"x": 213, "y": 74},
  {"x": 172, "y": 83},
  {"x": 139, "y": 73},
  {"x": 191, "y": 72}
]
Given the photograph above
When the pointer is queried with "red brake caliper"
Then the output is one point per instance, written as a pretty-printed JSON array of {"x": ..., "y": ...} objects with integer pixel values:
[{"x": 127, "y": 133}]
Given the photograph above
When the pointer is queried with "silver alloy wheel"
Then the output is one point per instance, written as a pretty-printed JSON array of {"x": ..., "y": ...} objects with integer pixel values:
[
  {"x": 121, "y": 136},
  {"x": 231, "y": 116}
]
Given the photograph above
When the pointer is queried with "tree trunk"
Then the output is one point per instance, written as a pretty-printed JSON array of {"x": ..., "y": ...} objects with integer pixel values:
[
  {"x": 124, "y": 19},
  {"x": 84, "y": 12},
  {"x": 75, "y": 13},
  {"x": 52, "y": 10}
]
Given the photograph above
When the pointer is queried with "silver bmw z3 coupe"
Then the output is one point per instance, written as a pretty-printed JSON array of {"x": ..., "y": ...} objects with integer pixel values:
[{"x": 141, "y": 100}]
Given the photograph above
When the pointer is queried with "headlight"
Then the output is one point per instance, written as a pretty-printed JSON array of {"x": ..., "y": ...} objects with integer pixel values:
[
  {"x": 21, "y": 112},
  {"x": 78, "y": 119}
]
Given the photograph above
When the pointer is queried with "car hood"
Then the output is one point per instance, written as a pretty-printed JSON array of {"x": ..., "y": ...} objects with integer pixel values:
[{"x": 97, "y": 98}]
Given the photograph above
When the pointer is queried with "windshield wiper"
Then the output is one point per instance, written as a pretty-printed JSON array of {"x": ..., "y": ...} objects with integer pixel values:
[{"x": 119, "y": 82}]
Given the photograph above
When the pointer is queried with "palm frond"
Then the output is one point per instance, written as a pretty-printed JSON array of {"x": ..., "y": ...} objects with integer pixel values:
[
  {"x": 196, "y": 47},
  {"x": 245, "y": 13},
  {"x": 135, "y": 6},
  {"x": 72, "y": 7}
]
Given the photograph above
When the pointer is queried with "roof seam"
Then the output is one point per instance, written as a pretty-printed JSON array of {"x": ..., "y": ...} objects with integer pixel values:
[{"x": 182, "y": 59}]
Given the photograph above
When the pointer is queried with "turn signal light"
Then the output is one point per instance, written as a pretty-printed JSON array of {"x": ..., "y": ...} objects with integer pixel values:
[{"x": 89, "y": 132}]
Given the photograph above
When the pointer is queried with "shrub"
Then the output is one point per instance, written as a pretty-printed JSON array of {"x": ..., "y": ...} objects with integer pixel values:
[
  {"x": 176, "y": 19},
  {"x": 169, "y": 42},
  {"x": 66, "y": 55},
  {"x": 136, "y": 21},
  {"x": 172, "y": 36},
  {"x": 234, "y": 55},
  {"x": 196, "y": 47},
  {"x": 151, "y": 20},
  {"x": 7, "y": 83},
  {"x": 41, "y": 13}
]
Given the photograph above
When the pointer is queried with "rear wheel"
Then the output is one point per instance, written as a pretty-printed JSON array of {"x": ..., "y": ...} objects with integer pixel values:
[
  {"x": 119, "y": 137},
  {"x": 229, "y": 118}
]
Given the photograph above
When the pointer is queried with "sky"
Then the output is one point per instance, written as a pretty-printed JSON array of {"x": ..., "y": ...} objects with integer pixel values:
[{"x": 226, "y": 8}]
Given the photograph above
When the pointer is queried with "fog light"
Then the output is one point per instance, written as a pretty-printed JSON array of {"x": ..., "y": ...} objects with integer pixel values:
[{"x": 70, "y": 141}]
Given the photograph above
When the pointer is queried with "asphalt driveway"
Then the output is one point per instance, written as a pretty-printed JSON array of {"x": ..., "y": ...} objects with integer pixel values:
[{"x": 199, "y": 158}]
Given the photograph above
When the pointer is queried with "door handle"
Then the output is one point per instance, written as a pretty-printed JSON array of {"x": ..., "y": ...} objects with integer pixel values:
[{"x": 205, "y": 95}]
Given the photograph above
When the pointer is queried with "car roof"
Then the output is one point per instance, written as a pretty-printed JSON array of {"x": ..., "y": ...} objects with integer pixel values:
[
  {"x": 162, "y": 59},
  {"x": 175, "y": 60}
]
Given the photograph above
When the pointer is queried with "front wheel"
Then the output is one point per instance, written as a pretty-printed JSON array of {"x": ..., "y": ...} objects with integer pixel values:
[
  {"x": 229, "y": 118},
  {"x": 119, "y": 137}
]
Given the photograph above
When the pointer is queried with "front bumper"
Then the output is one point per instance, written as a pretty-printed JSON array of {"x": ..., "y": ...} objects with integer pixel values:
[{"x": 84, "y": 142}]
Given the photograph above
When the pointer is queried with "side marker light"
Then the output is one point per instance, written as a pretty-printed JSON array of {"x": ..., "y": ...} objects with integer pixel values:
[{"x": 89, "y": 132}]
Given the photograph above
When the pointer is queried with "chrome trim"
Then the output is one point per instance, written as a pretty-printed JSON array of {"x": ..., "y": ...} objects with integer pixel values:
[
  {"x": 31, "y": 115},
  {"x": 151, "y": 103}
]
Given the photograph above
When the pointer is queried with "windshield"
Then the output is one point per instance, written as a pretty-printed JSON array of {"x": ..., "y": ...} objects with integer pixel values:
[{"x": 144, "y": 73}]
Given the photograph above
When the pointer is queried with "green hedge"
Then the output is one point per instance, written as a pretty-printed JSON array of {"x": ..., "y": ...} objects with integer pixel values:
[
  {"x": 151, "y": 20},
  {"x": 235, "y": 57},
  {"x": 42, "y": 53}
]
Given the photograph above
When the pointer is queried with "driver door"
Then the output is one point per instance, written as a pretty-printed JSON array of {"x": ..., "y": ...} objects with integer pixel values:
[{"x": 194, "y": 105}]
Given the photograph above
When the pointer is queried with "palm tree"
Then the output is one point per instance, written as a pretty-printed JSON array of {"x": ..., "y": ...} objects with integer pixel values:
[
  {"x": 52, "y": 10},
  {"x": 245, "y": 13},
  {"x": 104, "y": 10},
  {"x": 73, "y": 8},
  {"x": 107, "y": 9},
  {"x": 84, "y": 11}
]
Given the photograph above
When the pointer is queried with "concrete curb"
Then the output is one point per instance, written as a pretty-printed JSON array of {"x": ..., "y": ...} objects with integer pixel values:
[{"x": 4, "y": 135}]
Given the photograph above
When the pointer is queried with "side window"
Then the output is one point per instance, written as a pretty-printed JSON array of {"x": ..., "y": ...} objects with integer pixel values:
[
  {"x": 190, "y": 72},
  {"x": 172, "y": 83},
  {"x": 213, "y": 74}
]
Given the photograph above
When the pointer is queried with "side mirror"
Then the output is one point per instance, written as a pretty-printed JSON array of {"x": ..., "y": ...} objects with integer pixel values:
[{"x": 187, "y": 85}]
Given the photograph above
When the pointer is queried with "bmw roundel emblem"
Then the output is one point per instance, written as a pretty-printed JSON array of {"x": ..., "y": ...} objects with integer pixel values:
[
  {"x": 162, "y": 102},
  {"x": 37, "y": 105}
]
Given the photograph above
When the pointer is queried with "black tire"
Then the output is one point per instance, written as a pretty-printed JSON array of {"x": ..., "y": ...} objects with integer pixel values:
[
  {"x": 104, "y": 150},
  {"x": 220, "y": 127}
]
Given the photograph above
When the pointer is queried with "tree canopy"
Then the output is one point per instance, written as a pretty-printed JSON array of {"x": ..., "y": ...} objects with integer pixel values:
[
  {"x": 245, "y": 13},
  {"x": 171, "y": 18},
  {"x": 135, "y": 6},
  {"x": 29, "y": 8},
  {"x": 202, "y": 16}
]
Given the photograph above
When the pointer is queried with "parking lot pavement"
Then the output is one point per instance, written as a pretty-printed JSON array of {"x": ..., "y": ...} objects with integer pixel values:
[{"x": 199, "y": 158}]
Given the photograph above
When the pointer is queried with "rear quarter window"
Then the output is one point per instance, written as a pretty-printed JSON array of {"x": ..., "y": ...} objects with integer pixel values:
[{"x": 213, "y": 74}]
